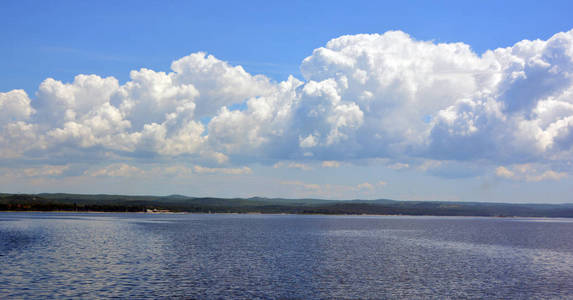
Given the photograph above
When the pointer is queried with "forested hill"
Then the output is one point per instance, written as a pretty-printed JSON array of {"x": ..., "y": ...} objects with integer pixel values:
[{"x": 178, "y": 203}]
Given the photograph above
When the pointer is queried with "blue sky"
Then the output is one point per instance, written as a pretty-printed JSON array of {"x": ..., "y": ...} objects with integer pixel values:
[
  {"x": 63, "y": 38},
  {"x": 355, "y": 122}
]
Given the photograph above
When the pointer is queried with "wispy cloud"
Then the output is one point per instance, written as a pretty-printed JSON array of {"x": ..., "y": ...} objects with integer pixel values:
[
  {"x": 117, "y": 170},
  {"x": 292, "y": 165},
  {"x": 227, "y": 171},
  {"x": 38, "y": 171},
  {"x": 527, "y": 172},
  {"x": 398, "y": 166},
  {"x": 330, "y": 164},
  {"x": 329, "y": 190}
]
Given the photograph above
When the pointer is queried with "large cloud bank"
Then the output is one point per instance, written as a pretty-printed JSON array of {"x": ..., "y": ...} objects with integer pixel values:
[{"x": 363, "y": 97}]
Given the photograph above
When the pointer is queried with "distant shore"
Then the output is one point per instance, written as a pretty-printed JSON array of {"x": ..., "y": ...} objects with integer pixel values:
[{"x": 81, "y": 203}]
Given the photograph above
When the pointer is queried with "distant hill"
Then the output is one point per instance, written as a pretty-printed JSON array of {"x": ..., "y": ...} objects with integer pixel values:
[{"x": 180, "y": 203}]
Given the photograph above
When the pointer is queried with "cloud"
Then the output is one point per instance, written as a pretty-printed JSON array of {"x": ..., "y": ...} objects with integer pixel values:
[
  {"x": 398, "y": 166},
  {"x": 369, "y": 96},
  {"x": 330, "y": 164},
  {"x": 309, "y": 186},
  {"x": 334, "y": 190},
  {"x": 528, "y": 172},
  {"x": 126, "y": 170},
  {"x": 292, "y": 165},
  {"x": 365, "y": 186},
  {"x": 39, "y": 171},
  {"x": 366, "y": 96},
  {"x": 382, "y": 183},
  {"x": 429, "y": 164},
  {"x": 227, "y": 171},
  {"x": 154, "y": 113},
  {"x": 116, "y": 170},
  {"x": 218, "y": 83},
  {"x": 308, "y": 142},
  {"x": 172, "y": 171},
  {"x": 15, "y": 106},
  {"x": 504, "y": 172},
  {"x": 547, "y": 175}
]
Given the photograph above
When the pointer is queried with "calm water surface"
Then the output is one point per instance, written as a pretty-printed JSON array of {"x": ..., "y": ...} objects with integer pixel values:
[{"x": 63, "y": 255}]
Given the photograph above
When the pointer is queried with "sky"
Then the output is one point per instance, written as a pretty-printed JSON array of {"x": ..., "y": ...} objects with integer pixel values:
[{"x": 405, "y": 100}]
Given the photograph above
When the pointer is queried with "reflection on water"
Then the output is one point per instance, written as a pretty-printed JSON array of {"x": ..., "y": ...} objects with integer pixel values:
[{"x": 282, "y": 256}]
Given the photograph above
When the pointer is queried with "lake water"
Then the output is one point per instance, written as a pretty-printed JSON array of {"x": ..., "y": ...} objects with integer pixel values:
[{"x": 63, "y": 255}]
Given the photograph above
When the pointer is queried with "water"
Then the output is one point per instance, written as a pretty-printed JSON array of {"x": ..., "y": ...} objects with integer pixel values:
[{"x": 65, "y": 255}]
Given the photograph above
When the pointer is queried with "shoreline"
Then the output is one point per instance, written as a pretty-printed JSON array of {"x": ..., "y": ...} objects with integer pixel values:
[
  {"x": 80, "y": 203},
  {"x": 281, "y": 214}
]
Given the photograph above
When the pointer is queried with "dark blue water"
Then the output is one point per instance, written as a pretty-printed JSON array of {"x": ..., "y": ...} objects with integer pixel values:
[{"x": 63, "y": 255}]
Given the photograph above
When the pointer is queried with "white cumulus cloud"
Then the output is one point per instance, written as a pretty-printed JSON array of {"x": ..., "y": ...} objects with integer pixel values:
[{"x": 366, "y": 96}]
